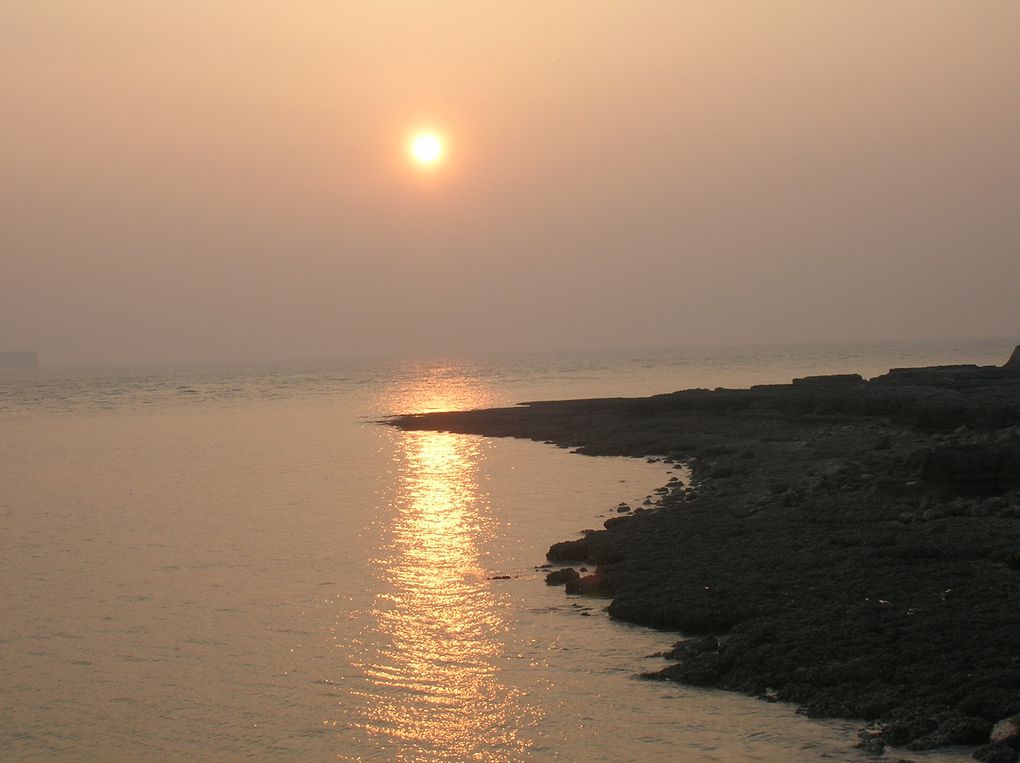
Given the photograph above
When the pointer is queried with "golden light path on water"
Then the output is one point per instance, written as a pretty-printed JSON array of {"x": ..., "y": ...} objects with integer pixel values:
[{"x": 433, "y": 689}]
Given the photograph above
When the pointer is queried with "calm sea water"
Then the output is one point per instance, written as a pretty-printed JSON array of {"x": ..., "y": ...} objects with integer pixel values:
[{"x": 237, "y": 562}]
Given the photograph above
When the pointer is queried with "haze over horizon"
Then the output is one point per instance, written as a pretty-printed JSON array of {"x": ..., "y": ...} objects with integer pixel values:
[{"x": 229, "y": 181}]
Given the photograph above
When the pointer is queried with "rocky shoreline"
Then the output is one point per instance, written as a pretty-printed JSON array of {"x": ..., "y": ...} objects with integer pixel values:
[{"x": 851, "y": 546}]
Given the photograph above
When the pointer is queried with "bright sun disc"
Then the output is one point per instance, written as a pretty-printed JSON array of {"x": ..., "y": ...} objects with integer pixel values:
[{"x": 426, "y": 149}]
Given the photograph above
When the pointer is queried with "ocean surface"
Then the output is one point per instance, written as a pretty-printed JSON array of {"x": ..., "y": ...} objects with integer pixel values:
[{"x": 239, "y": 561}]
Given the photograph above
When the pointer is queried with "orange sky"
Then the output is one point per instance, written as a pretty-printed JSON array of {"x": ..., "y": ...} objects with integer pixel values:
[{"x": 199, "y": 180}]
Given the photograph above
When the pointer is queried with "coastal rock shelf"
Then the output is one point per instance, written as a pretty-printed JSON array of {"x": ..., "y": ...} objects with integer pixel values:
[{"x": 854, "y": 546}]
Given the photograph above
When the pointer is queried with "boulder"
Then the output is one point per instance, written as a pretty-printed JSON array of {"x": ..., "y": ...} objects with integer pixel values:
[
  {"x": 566, "y": 576},
  {"x": 1006, "y": 731},
  {"x": 590, "y": 585},
  {"x": 870, "y": 740},
  {"x": 568, "y": 551}
]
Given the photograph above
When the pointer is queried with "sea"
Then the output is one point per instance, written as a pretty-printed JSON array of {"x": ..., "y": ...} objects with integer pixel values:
[{"x": 239, "y": 561}]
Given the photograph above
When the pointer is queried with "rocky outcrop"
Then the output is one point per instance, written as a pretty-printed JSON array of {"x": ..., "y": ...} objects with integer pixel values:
[
  {"x": 855, "y": 542},
  {"x": 1014, "y": 359},
  {"x": 830, "y": 380},
  {"x": 994, "y": 465},
  {"x": 567, "y": 576},
  {"x": 569, "y": 551}
]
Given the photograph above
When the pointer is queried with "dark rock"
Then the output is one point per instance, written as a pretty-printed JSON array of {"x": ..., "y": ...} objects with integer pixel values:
[
  {"x": 692, "y": 647},
  {"x": 971, "y": 463},
  {"x": 569, "y": 551},
  {"x": 829, "y": 380},
  {"x": 721, "y": 471},
  {"x": 565, "y": 576},
  {"x": 870, "y": 740},
  {"x": 996, "y": 753},
  {"x": 923, "y": 730},
  {"x": 592, "y": 585},
  {"x": 953, "y": 729}
]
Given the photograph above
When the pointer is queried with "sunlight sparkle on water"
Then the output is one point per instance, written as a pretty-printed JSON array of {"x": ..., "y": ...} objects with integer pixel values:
[{"x": 440, "y": 618}]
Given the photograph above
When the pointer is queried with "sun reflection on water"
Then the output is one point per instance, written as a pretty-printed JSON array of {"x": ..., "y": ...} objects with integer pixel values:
[{"x": 432, "y": 684}]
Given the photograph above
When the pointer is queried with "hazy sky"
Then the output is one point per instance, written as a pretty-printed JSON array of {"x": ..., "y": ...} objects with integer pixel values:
[{"x": 203, "y": 179}]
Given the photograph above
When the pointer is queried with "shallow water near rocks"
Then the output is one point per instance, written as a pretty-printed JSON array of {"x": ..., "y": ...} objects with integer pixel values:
[{"x": 235, "y": 562}]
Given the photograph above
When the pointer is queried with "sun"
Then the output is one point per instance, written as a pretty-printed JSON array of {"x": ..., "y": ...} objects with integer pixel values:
[{"x": 426, "y": 149}]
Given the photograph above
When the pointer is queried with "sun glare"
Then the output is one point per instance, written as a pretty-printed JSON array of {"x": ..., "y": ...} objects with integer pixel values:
[{"x": 426, "y": 149}]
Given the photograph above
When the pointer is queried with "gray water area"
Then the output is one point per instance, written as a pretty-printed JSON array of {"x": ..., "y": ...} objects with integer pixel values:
[{"x": 238, "y": 562}]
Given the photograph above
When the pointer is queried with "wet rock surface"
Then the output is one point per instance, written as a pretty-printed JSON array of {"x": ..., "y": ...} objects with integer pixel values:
[
  {"x": 854, "y": 546},
  {"x": 1007, "y": 731}
]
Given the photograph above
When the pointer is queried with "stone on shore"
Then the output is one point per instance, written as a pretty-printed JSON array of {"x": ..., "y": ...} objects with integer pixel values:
[
  {"x": 569, "y": 551},
  {"x": 566, "y": 576},
  {"x": 1006, "y": 731}
]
